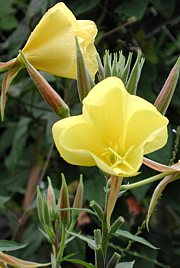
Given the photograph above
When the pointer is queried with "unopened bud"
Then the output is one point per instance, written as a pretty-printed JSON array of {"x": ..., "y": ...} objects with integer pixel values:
[
  {"x": 13, "y": 69},
  {"x": 51, "y": 201},
  {"x": 78, "y": 200},
  {"x": 39, "y": 205},
  {"x": 16, "y": 262},
  {"x": 84, "y": 80},
  {"x": 4, "y": 66},
  {"x": 53, "y": 99},
  {"x": 64, "y": 202},
  {"x": 164, "y": 98}
]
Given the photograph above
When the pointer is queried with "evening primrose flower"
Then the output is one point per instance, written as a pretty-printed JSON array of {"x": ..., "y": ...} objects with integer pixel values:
[
  {"x": 51, "y": 46},
  {"x": 113, "y": 132}
]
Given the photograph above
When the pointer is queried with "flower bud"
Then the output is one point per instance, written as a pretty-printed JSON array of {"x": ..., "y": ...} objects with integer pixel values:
[
  {"x": 13, "y": 69},
  {"x": 164, "y": 98},
  {"x": 16, "y": 262},
  {"x": 4, "y": 66},
  {"x": 53, "y": 99},
  {"x": 78, "y": 200},
  {"x": 84, "y": 80},
  {"x": 64, "y": 202},
  {"x": 51, "y": 201}
]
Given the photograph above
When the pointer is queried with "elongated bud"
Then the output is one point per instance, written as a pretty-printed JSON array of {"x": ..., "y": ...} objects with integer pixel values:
[
  {"x": 164, "y": 98},
  {"x": 84, "y": 80},
  {"x": 157, "y": 192},
  {"x": 97, "y": 236},
  {"x": 53, "y": 99},
  {"x": 114, "y": 260},
  {"x": 78, "y": 200},
  {"x": 51, "y": 200},
  {"x": 112, "y": 197},
  {"x": 117, "y": 224},
  {"x": 98, "y": 209},
  {"x": 46, "y": 214},
  {"x": 5, "y": 66},
  {"x": 13, "y": 69},
  {"x": 39, "y": 205},
  {"x": 64, "y": 202},
  {"x": 135, "y": 74},
  {"x": 16, "y": 262}
]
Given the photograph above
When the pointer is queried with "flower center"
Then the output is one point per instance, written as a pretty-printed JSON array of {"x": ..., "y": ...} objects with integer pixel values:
[{"x": 114, "y": 159}]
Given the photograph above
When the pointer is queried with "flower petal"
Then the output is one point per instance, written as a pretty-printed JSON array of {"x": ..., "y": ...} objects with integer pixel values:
[
  {"x": 51, "y": 46},
  {"x": 148, "y": 128},
  {"x": 104, "y": 108},
  {"x": 75, "y": 139}
]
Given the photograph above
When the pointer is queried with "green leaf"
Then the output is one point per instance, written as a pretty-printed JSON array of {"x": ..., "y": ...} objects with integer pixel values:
[
  {"x": 89, "y": 241},
  {"x": 133, "y": 8},
  {"x": 19, "y": 142},
  {"x": 79, "y": 7},
  {"x": 6, "y": 245},
  {"x": 8, "y": 20},
  {"x": 136, "y": 238},
  {"x": 125, "y": 264},
  {"x": 3, "y": 200},
  {"x": 85, "y": 264}
]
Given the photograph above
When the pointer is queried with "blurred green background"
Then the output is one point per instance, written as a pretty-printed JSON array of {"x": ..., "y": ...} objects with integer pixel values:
[{"x": 27, "y": 155}]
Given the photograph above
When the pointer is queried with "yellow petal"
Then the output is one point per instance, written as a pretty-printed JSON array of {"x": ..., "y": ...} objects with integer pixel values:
[
  {"x": 148, "y": 128},
  {"x": 51, "y": 46},
  {"x": 75, "y": 139},
  {"x": 104, "y": 108}
]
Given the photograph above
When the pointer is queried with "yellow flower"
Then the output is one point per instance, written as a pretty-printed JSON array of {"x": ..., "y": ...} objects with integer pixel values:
[
  {"x": 51, "y": 46},
  {"x": 114, "y": 131}
]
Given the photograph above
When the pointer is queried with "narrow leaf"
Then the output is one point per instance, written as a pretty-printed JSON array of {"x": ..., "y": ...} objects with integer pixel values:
[
  {"x": 85, "y": 264},
  {"x": 6, "y": 245},
  {"x": 89, "y": 241},
  {"x": 135, "y": 74},
  {"x": 136, "y": 238},
  {"x": 125, "y": 264}
]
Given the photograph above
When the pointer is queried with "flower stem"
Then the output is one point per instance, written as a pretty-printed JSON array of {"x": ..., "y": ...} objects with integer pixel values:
[
  {"x": 146, "y": 181},
  {"x": 63, "y": 240},
  {"x": 110, "y": 201}
]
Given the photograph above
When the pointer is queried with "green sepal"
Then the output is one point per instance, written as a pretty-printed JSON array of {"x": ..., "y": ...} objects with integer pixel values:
[
  {"x": 135, "y": 74},
  {"x": 84, "y": 80}
]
